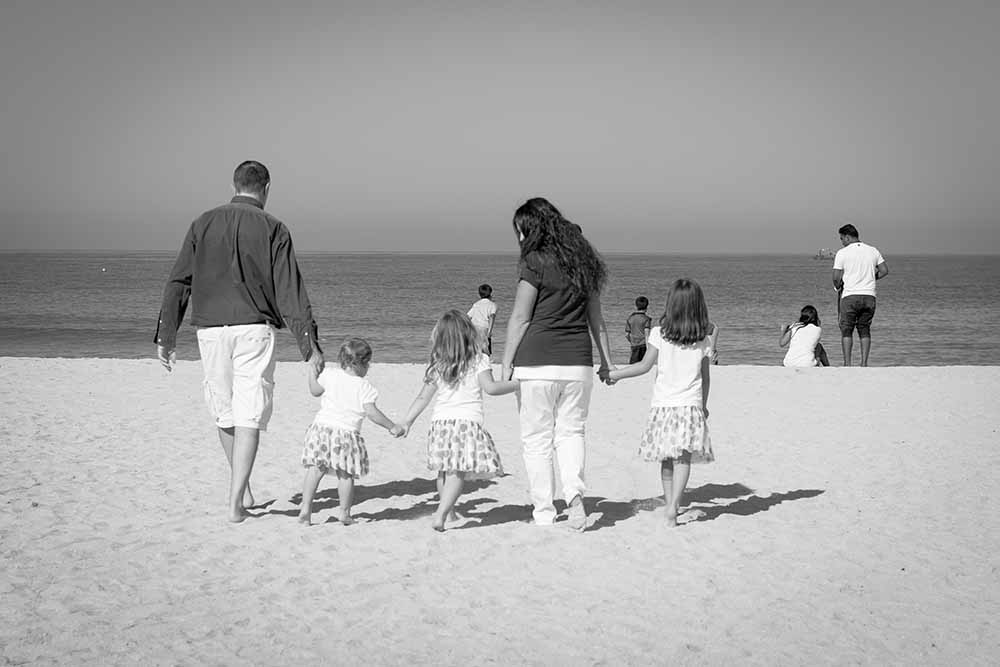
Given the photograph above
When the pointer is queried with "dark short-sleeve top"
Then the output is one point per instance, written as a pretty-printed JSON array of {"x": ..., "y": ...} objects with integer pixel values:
[{"x": 558, "y": 333}]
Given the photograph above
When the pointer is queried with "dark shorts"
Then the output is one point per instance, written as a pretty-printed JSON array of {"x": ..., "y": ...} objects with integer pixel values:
[
  {"x": 638, "y": 352},
  {"x": 857, "y": 311}
]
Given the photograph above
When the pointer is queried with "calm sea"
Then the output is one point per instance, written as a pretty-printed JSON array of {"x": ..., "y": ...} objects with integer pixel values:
[{"x": 932, "y": 310}]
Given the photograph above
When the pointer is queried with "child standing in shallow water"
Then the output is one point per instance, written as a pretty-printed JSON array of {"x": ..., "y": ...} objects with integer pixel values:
[
  {"x": 458, "y": 446},
  {"x": 676, "y": 432},
  {"x": 333, "y": 441}
]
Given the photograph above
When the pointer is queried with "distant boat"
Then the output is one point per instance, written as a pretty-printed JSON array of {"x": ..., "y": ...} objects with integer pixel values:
[{"x": 824, "y": 253}]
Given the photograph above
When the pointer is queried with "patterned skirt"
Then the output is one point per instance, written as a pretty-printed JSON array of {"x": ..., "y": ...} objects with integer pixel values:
[
  {"x": 671, "y": 433},
  {"x": 461, "y": 445},
  {"x": 330, "y": 448}
]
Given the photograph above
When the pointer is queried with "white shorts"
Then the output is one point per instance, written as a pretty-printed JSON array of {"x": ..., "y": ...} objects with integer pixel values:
[{"x": 239, "y": 373}]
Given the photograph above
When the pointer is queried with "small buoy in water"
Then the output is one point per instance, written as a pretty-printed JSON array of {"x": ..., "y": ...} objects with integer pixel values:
[{"x": 103, "y": 270}]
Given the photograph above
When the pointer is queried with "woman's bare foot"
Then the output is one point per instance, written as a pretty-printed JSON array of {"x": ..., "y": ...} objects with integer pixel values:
[
  {"x": 671, "y": 515},
  {"x": 305, "y": 519},
  {"x": 238, "y": 516},
  {"x": 576, "y": 515},
  {"x": 347, "y": 520}
]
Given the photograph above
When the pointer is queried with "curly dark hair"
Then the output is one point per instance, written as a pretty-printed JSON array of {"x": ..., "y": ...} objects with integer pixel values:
[{"x": 548, "y": 233}]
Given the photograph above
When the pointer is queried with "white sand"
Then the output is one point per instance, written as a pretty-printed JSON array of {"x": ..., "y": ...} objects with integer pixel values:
[{"x": 850, "y": 518}]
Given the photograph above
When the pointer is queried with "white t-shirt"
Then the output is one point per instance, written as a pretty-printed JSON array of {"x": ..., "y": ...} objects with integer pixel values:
[
  {"x": 802, "y": 346},
  {"x": 464, "y": 399},
  {"x": 481, "y": 313},
  {"x": 858, "y": 262},
  {"x": 678, "y": 367},
  {"x": 342, "y": 404}
]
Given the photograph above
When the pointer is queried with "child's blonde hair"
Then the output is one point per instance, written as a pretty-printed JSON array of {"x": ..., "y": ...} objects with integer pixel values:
[
  {"x": 685, "y": 315},
  {"x": 454, "y": 348},
  {"x": 355, "y": 354}
]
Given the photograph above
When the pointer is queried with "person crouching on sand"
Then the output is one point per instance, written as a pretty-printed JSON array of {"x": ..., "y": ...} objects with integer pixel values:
[
  {"x": 458, "y": 445},
  {"x": 676, "y": 432},
  {"x": 333, "y": 441}
]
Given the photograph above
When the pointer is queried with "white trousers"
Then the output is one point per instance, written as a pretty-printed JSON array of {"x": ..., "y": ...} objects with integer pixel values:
[{"x": 553, "y": 415}]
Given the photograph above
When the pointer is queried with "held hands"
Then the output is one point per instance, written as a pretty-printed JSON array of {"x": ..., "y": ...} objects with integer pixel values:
[
  {"x": 604, "y": 373},
  {"x": 316, "y": 363},
  {"x": 398, "y": 430},
  {"x": 167, "y": 357}
]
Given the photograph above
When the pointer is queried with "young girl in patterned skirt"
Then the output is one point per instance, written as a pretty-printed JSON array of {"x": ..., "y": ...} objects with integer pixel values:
[
  {"x": 677, "y": 429},
  {"x": 458, "y": 447},
  {"x": 333, "y": 441}
]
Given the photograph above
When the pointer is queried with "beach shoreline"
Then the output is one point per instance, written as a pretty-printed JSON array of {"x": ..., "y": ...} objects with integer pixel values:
[{"x": 848, "y": 518}]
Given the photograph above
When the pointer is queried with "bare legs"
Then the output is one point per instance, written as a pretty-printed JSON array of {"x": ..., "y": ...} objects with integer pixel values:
[
  {"x": 847, "y": 342},
  {"x": 240, "y": 445},
  {"x": 452, "y": 515},
  {"x": 450, "y": 488},
  {"x": 820, "y": 353},
  {"x": 309, "y": 486},
  {"x": 345, "y": 492},
  {"x": 226, "y": 437},
  {"x": 674, "y": 474},
  {"x": 866, "y": 346}
]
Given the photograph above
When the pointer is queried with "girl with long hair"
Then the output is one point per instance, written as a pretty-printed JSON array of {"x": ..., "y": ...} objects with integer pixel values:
[
  {"x": 676, "y": 432},
  {"x": 458, "y": 445}
]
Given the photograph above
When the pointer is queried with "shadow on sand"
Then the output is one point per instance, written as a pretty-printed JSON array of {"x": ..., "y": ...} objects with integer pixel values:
[{"x": 328, "y": 498}]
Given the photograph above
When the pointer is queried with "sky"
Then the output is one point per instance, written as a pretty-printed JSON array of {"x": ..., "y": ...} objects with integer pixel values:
[{"x": 700, "y": 126}]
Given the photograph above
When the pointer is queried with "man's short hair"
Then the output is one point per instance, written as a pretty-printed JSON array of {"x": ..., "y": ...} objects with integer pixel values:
[
  {"x": 485, "y": 291},
  {"x": 641, "y": 303},
  {"x": 251, "y": 176},
  {"x": 849, "y": 230}
]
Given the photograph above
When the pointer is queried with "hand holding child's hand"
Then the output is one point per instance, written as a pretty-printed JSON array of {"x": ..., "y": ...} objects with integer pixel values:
[{"x": 398, "y": 430}]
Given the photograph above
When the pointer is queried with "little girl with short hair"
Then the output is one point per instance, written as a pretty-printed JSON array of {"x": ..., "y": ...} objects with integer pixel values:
[
  {"x": 676, "y": 432},
  {"x": 458, "y": 445},
  {"x": 333, "y": 442}
]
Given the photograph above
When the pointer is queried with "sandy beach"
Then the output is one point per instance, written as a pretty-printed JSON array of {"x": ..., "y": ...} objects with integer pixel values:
[{"x": 849, "y": 519}]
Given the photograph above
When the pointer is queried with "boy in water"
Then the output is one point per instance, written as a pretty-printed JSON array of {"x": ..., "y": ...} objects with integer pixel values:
[
  {"x": 483, "y": 313},
  {"x": 637, "y": 329}
]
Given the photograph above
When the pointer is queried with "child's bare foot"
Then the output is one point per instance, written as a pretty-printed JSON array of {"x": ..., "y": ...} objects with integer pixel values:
[
  {"x": 305, "y": 519},
  {"x": 347, "y": 520},
  {"x": 671, "y": 515}
]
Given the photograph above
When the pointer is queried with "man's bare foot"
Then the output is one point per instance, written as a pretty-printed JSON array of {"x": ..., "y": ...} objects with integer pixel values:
[
  {"x": 347, "y": 520},
  {"x": 671, "y": 516},
  {"x": 305, "y": 519}
]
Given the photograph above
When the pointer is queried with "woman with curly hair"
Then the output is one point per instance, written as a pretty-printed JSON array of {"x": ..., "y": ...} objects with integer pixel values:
[{"x": 555, "y": 317}]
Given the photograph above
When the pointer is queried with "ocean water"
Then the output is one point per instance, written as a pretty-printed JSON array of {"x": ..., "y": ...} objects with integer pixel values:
[{"x": 932, "y": 310}]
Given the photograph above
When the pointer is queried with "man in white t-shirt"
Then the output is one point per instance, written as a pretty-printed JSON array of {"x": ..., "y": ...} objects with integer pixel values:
[
  {"x": 483, "y": 314},
  {"x": 856, "y": 267}
]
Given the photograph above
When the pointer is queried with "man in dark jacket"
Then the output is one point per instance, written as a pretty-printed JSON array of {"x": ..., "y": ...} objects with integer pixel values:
[{"x": 238, "y": 269}]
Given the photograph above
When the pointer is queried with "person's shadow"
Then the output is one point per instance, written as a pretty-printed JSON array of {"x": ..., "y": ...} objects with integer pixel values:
[
  {"x": 326, "y": 499},
  {"x": 705, "y": 503}
]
